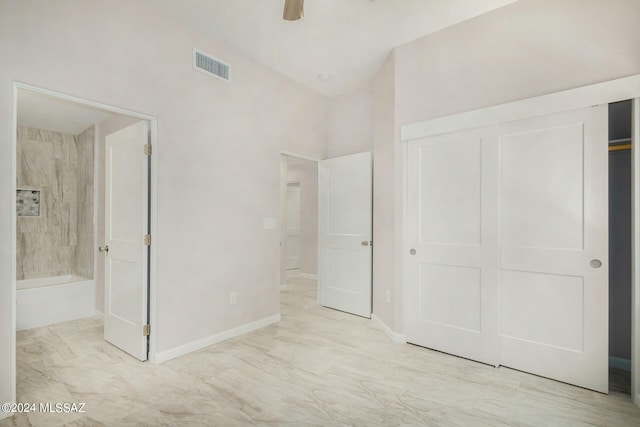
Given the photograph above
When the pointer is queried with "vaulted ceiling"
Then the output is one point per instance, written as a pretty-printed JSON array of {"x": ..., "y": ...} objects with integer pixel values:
[{"x": 345, "y": 40}]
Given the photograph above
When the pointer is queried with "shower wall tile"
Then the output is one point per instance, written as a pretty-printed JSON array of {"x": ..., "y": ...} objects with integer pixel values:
[
  {"x": 37, "y": 167},
  {"x": 19, "y": 157},
  {"x": 85, "y": 248},
  {"x": 41, "y": 257},
  {"x": 84, "y": 255},
  {"x": 46, "y": 245}
]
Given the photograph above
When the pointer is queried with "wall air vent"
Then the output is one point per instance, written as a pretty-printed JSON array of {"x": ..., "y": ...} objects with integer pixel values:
[{"x": 210, "y": 65}]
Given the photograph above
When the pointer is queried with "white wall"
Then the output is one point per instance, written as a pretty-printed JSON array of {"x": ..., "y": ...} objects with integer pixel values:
[
  {"x": 350, "y": 123},
  {"x": 385, "y": 258},
  {"x": 218, "y": 152},
  {"x": 306, "y": 173},
  {"x": 525, "y": 49}
]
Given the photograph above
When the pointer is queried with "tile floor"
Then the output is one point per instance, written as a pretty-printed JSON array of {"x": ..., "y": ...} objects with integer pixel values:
[{"x": 317, "y": 367}]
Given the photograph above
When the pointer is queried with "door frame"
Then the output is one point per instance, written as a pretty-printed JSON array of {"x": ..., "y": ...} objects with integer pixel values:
[
  {"x": 153, "y": 127},
  {"x": 599, "y": 93}
]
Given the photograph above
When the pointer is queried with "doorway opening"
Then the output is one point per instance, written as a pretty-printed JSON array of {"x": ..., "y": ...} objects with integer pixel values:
[
  {"x": 298, "y": 227},
  {"x": 59, "y": 153},
  {"x": 620, "y": 243}
]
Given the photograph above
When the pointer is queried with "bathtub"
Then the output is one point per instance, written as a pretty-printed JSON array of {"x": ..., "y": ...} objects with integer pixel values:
[{"x": 50, "y": 300}]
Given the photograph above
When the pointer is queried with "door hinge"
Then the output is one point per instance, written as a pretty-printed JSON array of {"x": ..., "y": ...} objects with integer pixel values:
[
  {"x": 147, "y": 149},
  {"x": 147, "y": 239},
  {"x": 146, "y": 330}
]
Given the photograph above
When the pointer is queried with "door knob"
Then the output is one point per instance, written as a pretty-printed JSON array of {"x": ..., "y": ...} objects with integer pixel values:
[
  {"x": 103, "y": 248},
  {"x": 365, "y": 243},
  {"x": 412, "y": 251},
  {"x": 595, "y": 263}
]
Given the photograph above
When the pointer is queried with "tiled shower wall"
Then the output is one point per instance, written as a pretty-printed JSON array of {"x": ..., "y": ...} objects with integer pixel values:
[
  {"x": 60, "y": 241},
  {"x": 84, "y": 167}
]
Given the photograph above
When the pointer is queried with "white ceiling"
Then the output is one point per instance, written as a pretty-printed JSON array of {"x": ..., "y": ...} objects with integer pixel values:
[
  {"x": 350, "y": 39},
  {"x": 45, "y": 112}
]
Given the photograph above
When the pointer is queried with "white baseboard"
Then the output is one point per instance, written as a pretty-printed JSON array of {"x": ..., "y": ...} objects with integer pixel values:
[
  {"x": 307, "y": 275},
  {"x": 620, "y": 363},
  {"x": 393, "y": 336},
  {"x": 214, "y": 339}
]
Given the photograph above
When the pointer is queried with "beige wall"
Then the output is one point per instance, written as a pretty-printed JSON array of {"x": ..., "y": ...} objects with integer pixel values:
[
  {"x": 384, "y": 195},
  {"x": 525, "y": 49},
  {"x": 350, "y": 126},
  {"x": 218, "y": 152}
]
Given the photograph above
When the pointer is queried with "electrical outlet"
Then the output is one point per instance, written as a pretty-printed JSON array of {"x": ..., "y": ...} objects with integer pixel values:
[
  {"x": 233, "y": 298},
  {"x": 388, "y": 295}
]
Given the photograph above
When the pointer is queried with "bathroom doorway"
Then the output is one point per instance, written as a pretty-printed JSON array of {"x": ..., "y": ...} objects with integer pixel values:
[{"x": 59, "y": 149}]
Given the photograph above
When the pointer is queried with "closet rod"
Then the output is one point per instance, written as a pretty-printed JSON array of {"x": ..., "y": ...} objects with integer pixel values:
[
  {"x": 620, "y": 147},
  {"x": 614, "y": 141}
]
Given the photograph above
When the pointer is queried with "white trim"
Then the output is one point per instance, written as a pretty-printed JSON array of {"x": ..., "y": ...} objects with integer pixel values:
[
  {"x": 153, "y": 126},
  {"x": 299, "y": 156},
  {"x": 307, "y": 276},
  {"x": 214, "y": 339},
  {"x": 620, "y": 363},
  {"x": 393, "y": 336},
  {"x": 153, "y": 251},
  {"x": 14, "y": 226},
  {"x": 600, "y": 93},
  {"x": 635, "y": 253},
  {"x": 86, "y": 102}
]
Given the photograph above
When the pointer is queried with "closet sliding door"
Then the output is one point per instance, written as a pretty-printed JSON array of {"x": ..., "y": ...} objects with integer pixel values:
[
  {"x": 554, "y": 246},
  {"x": 507, "y": 231},
  {"x": 453, "y": 255}
]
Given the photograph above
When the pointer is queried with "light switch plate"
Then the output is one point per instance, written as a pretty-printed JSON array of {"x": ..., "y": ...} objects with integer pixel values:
[{"x": 269, "y": 223}]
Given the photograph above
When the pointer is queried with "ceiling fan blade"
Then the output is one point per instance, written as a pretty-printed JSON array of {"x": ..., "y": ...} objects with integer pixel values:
[{"x": 293, "y": 10}]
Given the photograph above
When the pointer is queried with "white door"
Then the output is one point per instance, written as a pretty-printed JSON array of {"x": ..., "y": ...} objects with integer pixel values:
[
  {"x": 453, "y": 259},
  {"x": 126, "y": 223},
  {"x": 509, "y": 227},
  {"x": 344, "y": 233},
  {"x": 554, "y": 246},
  {"x": 293, "y": 226}
]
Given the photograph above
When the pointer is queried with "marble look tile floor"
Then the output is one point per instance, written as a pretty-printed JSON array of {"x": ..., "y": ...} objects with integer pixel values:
[{"x": 317, "y": 367}]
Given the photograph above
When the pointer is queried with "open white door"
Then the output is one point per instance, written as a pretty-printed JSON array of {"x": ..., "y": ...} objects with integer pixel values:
[
  {"x": 293, "y": 226},
  {"x": 508, "y": 234},
  {"x": 344, "y": 233},
  {"x": 126, "y": 224}
]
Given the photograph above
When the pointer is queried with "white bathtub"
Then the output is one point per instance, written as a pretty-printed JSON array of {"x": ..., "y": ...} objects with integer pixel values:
[{"x": 50, "y": 300}]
